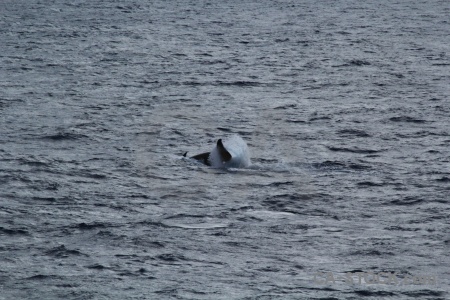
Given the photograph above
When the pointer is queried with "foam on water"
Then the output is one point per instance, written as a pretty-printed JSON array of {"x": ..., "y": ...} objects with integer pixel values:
[{"x": 240, "y": 155}]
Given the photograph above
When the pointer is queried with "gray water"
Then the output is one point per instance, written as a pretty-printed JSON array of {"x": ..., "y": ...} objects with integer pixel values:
[{"x": 344, "y": 106}]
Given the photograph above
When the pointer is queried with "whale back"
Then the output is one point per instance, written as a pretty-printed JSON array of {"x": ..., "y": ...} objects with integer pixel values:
[{"x": 203, "y": 158}]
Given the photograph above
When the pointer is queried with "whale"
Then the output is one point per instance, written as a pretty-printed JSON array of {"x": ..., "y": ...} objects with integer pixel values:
[
  {"x": 230, "y": 153},
  {"x": 223, "y": 154}
]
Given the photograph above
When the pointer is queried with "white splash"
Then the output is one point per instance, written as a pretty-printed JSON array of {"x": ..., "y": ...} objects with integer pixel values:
[{"x": 240, "y": 155}]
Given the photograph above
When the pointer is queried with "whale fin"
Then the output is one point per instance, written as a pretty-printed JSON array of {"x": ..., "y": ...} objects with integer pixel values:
[
  {"x": 203, "y": 158},
  {"x": 220, "y": 157},
  {"x": 224, "y": 154}
]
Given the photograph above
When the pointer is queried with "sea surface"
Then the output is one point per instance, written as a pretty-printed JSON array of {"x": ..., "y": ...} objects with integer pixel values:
[{"x": 344, "y": 106}]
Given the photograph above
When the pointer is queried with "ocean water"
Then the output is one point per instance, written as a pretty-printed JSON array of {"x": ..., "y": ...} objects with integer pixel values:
[{"x": 344, "y": 106}]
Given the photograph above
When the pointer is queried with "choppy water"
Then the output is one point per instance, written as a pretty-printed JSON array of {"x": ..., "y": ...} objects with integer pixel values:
[{"x": 344, "y": 106}]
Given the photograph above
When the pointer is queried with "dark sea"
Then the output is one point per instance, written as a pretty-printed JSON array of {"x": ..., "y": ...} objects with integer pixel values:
[{"x": 344, "y": 105}]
